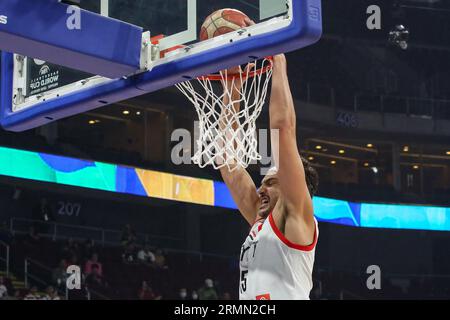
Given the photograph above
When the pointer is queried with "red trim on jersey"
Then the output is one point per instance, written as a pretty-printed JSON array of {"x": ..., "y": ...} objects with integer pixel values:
[
  {"x": 260, "y": 227},
  {"x": 281, "y": 236},
  {"x": 258, "y": 220}
]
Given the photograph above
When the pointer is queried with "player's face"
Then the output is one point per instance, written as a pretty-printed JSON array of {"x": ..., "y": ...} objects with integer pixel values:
[{"x": 268, "y": 195}]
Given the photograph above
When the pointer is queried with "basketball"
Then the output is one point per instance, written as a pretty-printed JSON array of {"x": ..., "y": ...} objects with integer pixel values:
[{"x": 221, "y": 22}]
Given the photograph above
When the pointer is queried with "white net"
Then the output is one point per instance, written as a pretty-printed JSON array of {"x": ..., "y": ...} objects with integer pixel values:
[{"x": 227, "y": 115}]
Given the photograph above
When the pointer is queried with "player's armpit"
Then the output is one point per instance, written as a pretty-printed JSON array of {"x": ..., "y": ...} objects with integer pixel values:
[
  {"x": 301, "y": 230},
  {"x": 243, "y": 191}
]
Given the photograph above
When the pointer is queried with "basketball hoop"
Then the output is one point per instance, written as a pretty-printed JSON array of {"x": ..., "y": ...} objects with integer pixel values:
[{"x": 227, "y": 133}]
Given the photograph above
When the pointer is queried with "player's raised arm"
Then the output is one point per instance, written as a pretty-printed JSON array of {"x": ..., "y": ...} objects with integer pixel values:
[
  {"x": 239, "y": 182},
  {"x": 296, "y": 198},
  {"x": 243, "y": 190}
]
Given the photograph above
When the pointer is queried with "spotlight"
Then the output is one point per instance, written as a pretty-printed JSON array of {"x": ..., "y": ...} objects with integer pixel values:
[{"x": 399, "y": 36}]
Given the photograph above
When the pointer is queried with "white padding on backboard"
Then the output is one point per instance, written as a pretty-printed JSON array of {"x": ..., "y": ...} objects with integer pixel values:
[{"x": 271, "y": 8}]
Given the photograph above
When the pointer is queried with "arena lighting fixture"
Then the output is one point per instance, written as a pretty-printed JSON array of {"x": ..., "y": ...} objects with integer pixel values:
[
  {"x": 416, "y": 167},
  {"x": 319, "y": 147},
  {"x": 126, "y": 112},
  {"x": 91, "y": 122},
  {"x": 311, "y": 158},
  {"x": 366, "y": 164},
  {"x": 375, "y": 170},
  {"x": 448, "y": 153},
  {"x": 369, "y": 145},
  {"x": 341, "y": 151},
  {"x": 399, "y": 36},
  {"x": 406, "y": 149},
  {"x": 333, "y": 162},
  {"x": 138, "y": 113}
]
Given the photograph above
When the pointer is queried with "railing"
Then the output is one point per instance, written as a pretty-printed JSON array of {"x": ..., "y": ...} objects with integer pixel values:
[
  {"x": 426, "y": 108},
  {"x": 414, "y": 107},
  {"x": 33, "y": 267},
  {"x": 6, "y": 259},
  {"x": 59, "y": 231}
]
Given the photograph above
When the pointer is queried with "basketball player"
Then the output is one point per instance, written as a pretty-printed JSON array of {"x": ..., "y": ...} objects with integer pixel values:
[{"x": 277, "y": 258}]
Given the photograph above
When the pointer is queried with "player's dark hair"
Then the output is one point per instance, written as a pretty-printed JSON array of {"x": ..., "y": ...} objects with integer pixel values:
[{"x": 312, "y": 177}]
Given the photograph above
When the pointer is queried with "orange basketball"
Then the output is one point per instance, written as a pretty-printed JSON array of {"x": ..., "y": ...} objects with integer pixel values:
[{"x": 221, "y": 22}]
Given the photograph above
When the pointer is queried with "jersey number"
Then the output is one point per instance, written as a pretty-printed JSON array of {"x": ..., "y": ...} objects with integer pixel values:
[{"x": 244, "y": 280}]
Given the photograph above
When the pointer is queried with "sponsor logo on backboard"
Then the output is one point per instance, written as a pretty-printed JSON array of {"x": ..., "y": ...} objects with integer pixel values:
[{"x": 44, "y": 70}]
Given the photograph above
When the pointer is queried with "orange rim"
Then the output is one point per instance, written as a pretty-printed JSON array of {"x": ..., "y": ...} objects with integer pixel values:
[{"x": 252, "y": 74}]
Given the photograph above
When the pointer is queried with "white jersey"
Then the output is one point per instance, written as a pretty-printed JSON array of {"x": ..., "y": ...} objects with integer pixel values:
[{"x": 273, "y": 268}]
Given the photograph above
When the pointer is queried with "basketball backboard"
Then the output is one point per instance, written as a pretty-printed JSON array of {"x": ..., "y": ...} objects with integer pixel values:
[{"x": 35, "y": 92}]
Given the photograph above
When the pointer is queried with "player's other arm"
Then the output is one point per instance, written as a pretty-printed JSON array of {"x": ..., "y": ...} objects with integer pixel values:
[
  {"x": 296, "y": 200},
  {"x": 239, "y": 182},
  {"x": 243, "y": 191}
]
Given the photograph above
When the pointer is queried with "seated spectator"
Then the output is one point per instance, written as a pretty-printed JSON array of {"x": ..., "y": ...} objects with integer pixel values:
[
  {"x": 18, "y": 295},
  {"x": 70, "y": 249},
  {"x": 74, "y": 260},
  {"x": 146, "y": 292},
  {"x": 194, "y": 295},
  {"x": 146, "y": 256},
  {"x": 128, "y": 236},
  {"x": 3, "y": 289},
  {"x": 226, "y": 296},
  {"x": 15, "y": 295},
  {"x": 32, "y": 294},
  {"x": 51, "y": 294},
  {"x": 94, "y": 279},
  {"x": 65, "y": 252},
  {"x": 88, "y": 249},
  {"x": 91, "y": 263},
  {"x": 129, "y": 255},
  {"x": 182, "y": 294},
  {"x": 160, "y": 260},
  {"x": 207, "y": 292},
  {"x": 74, "y": 248},
  {"x": 59, "y": 274}
]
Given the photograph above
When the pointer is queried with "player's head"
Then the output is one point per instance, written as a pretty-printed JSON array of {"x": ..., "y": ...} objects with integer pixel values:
[{"x": 269, "y": 192}]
